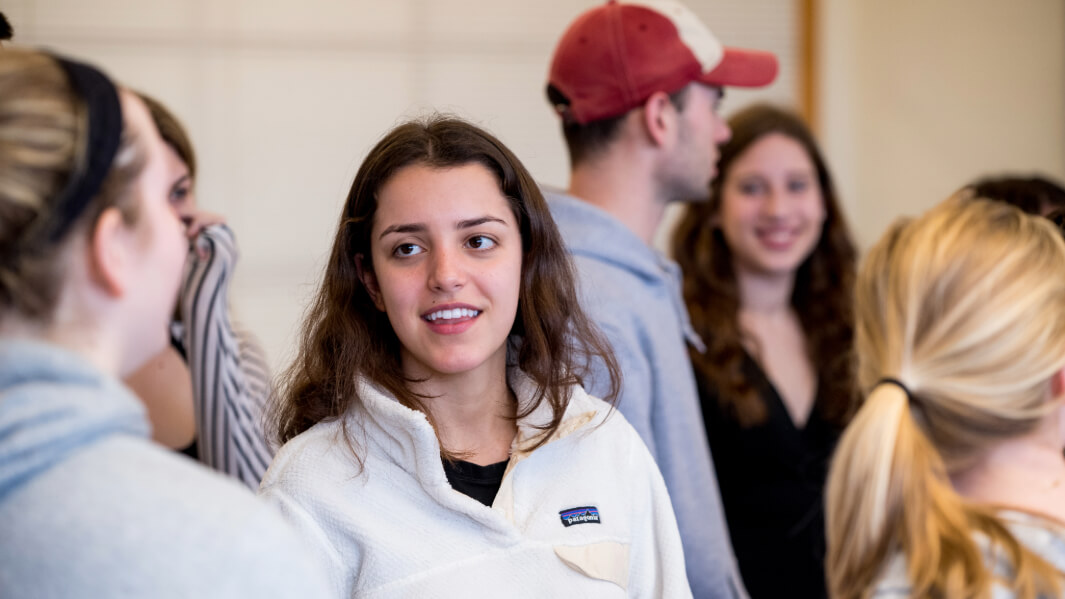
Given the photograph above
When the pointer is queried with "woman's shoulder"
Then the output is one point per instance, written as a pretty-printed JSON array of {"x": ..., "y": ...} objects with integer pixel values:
[
  {"x": 1044, "y": 537},
  {"x": 376, "y": 432},
  {"x": 603, "y": 423},
  {"x": 313, "y": 450},
  {"x": 584, "y": 414},
  {"x": 582, "y": 401}
]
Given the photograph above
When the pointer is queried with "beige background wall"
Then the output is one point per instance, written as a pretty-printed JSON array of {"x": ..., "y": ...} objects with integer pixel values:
[
  {"x": 283, "y": 99},
  {"x": 920, "y": 97}
]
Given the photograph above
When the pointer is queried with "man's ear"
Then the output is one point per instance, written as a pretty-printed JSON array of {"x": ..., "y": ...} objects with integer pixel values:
[
  {"x": 369, "y": 281},
  {"x": 660, "y": 118},
  {"x": 109, "y": 253}
]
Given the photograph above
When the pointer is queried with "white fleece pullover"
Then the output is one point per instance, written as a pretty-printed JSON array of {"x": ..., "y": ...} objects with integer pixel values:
[{"x": 396, "y": 528}]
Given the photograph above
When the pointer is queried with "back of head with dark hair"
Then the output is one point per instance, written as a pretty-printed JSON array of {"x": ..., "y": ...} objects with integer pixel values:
[
  {"x": 346, "y": 338},
  {"x": 1034, "y": 195},
  {"x": 823, "y": 283},
  {"x": 6, "y": 31}
]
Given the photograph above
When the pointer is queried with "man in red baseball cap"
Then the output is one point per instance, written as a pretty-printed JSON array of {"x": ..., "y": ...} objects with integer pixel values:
[{"x": 637, "y": 86}]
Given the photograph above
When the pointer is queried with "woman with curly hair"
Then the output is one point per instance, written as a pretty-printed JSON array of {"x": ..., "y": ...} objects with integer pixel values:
[{"x": 768, "y": 268}]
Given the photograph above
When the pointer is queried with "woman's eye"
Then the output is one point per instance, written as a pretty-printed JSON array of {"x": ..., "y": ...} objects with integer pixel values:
[
  {"x": 407, "y": 249},
  {"x": 798, "y": 185},
  {"x": 751, "y": 188},
  {"x": 178, "y": 194},
  {"x": 480, "y": 242}
]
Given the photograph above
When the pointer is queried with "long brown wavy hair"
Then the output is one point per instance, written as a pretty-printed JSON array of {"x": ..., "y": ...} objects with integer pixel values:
[
  {"x": 823, "y": 283},
  {"x": 345, "y": 338}
]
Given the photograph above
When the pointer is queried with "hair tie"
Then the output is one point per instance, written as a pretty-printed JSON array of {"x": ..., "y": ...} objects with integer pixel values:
[
  {"x": 104, "y": 135},
  {"x": 893, "y": 381}
]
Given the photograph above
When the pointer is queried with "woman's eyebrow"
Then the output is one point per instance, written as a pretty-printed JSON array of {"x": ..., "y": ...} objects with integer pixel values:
[
  {"x": 476, "y": 222},
  {"x": 403, "y": 228},
  {"x": 421, "y": 227}
]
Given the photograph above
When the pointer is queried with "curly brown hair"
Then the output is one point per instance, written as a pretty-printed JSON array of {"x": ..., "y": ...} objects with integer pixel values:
[
  {"x": 823, "y": 283},
  {"x": 346, "y": 338}
]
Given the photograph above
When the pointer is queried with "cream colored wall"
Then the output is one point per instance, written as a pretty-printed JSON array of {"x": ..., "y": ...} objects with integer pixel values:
[
  {"x": 283, "y": 99},
  {"x": 920, "y": 97}
]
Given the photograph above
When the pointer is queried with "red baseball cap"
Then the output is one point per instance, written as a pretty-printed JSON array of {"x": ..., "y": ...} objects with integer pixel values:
[{"x": 614, "y": 56}]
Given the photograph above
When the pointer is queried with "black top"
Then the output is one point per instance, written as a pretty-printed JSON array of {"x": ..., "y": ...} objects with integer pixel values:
[
  {"x": 479, "y": 482},
  {"x": 193, "y": 450},
  {"x": 772, "y": 479}
]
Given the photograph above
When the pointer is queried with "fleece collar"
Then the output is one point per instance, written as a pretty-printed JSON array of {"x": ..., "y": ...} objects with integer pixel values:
[{"x": 409, "y": 441}]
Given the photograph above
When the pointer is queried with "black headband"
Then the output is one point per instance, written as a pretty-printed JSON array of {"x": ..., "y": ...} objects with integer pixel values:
[{"x": 105, "y": 133}]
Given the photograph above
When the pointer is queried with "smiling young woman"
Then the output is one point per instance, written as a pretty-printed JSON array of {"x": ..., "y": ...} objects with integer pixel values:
[
  {"x": 438, "y": 441},
  {"x": 768, "y": 269}
]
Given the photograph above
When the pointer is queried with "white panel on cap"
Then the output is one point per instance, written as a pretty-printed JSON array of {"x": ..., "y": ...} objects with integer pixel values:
[{"x": 697, "y": 36}]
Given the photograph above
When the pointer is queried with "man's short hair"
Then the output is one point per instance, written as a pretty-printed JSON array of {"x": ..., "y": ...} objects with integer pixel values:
[{"x": 587, "y": 140}]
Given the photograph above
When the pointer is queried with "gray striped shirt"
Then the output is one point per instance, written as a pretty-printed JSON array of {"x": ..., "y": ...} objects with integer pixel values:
[{"x": 230, "y": 375}]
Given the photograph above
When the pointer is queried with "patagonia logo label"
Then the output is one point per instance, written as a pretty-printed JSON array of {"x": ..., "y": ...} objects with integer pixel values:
[{"x": 580, "y": 515}]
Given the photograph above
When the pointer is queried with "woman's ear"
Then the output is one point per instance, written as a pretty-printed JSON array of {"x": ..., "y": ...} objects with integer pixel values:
[
  {"x": 109, "y": 253},
  {"x": 369, "y": 281},
  {"x": 1057, "y": 394},
  {"x": 1057, "y": 384}
]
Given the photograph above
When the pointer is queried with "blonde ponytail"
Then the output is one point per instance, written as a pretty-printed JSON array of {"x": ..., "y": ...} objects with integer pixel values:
[
  {"x": 893, "y": 493},
  {"x": 964, "y": 307}
]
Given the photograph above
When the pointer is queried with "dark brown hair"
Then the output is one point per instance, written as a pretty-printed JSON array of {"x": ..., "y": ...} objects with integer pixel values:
[
  {"x": 172, "y": 132},
  {"x": 1034, "y": 195},
  {"x": 823, "y": 283},
  {"x": 346, "y": 338},
  {"x": 6, "y": 30},
  {"x": 586, "y": 141}
]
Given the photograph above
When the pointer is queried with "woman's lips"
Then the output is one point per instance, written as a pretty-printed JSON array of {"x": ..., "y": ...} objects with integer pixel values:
[
  {"x": 451, "y": 319},
  {"x": 777, "y": 239}
]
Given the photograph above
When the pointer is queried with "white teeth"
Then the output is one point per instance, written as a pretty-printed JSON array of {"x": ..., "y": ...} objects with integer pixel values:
[
  {"x": 452, "y": 314},
  {"x": 777, "y": 236}
]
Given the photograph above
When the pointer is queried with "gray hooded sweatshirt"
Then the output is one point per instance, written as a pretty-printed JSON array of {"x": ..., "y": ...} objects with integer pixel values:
[
  {"x": 90, "y": 507},
  {"x": 632, "y": 293}
]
